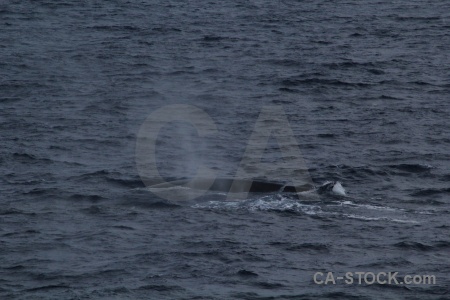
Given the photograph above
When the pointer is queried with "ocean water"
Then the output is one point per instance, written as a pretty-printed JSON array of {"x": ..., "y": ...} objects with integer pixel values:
[{"x": 364, "y": 86}]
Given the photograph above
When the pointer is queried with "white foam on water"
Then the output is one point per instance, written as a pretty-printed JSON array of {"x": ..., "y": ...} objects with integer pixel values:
[
  {"x": 353, "y": 216},
  {"x": 266, "y": 203},
  {"x": 368, "y": 206}
]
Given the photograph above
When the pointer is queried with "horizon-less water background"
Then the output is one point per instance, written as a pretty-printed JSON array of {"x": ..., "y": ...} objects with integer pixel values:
[{"x": 365, "y": 88}]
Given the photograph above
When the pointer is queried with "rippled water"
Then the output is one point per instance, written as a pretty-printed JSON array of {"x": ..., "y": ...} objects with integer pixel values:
[{"x": 364, "y": 87}]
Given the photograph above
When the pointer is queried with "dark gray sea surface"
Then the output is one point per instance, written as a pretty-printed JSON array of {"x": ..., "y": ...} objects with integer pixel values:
[{"x": 364, "y": 86}]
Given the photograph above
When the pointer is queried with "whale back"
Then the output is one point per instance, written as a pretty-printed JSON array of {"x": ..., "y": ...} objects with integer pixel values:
[{"x": 230, "y": 185}]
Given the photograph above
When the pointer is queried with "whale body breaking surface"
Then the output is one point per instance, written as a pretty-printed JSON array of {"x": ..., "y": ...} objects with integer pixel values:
[{"x": 230, "y": 185}]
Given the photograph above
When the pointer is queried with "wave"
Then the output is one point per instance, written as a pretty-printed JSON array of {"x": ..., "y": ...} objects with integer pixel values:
[
  {"x": 397, "y": 262},
  {"x": 423, "y": 247},
  {"x": 14, "y": 211},
  {"x": 430, "y": 192},
  {"x": 161, "y": 288},
  {"x": 113, "y": 177},
  {"x": 115, "y": 27},
  {"x": 365, "y": 218},
  {"x": 279, "y": 203},
  {"x": 305, "y": 246},
  {"x": 92, "y": 198},
  {"x": 48, "y": 287},
  {"x": 372, "y": 207},
  {"x": 411, "y": 168},
  {"x": 267, "y": 203},
  {"x": 321, "y": 81}
]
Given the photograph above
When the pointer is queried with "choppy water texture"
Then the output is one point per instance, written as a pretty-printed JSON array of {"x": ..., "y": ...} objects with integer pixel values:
[{"x": 364, "y": 84}]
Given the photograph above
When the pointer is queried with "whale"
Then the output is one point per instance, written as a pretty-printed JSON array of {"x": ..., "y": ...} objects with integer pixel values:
[
  {"x": 333, "y": 187},
  {"x": 233, "y": 185},
  {"x": 189, "y": 189}
]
